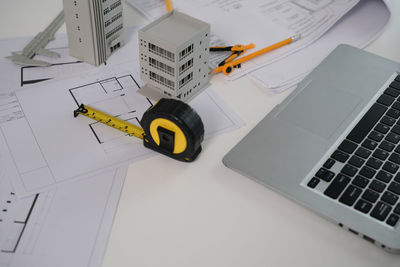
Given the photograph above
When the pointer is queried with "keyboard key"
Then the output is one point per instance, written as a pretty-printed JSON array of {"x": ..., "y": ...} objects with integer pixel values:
[
  {"x": 321, "y": 172},
  {"x": 380, "y": 154},
  {"x": 397, "y": 209},
  {"x": 384, "y": 176},
  {"x": 380, "y": 211},
  {"x": 370, "y": 195},
  {"x": 367, "y": 122},
  {"x": 390, "y": 167},
  {"x": 367, "y": 172},
  {"x": 390, "y": 198},
  {"x": 362, "y": 152},
  {"x": 396, "y": 105},
  {"x": 395, "y": 158},
  {"x": 349, "y": 170},
  {"x": 392, "y": 220},
  {"x": 337, "y": 186},
  {"x": 385, "y": 100},
  {"x": 328, "y": 176},
  {"x": 377, "y": 186},
  {"x": 382, "y": 128},
  {"x": 370, "y": 144},
  {"x": 396, "y": 129},
  {"x": 397, "y": 78},
  {"x": 325, "y": 175},
  {"x": 356, "y": 161},
  {"x": 392, "y": 137},
  {"x": 394, "y": 187},
  {"x": 385, "y": 145},
  {"x": 388, "y": 120},
  {"x": 397, "y": 177},
  {"x": 329, "y": 163},
  {"x": 350, "y": 195},
  {"x": 363, "y": 206},
  {"x": 348, "y": 146},
  {"x": 374, "y": 163},
  {"x": 376, "y": 136},
  {"x": 360, "y": 181},
  {"x": 392, "y": 92},
  {"x": 394, "y": 113},
  {"x": 395, "y": 84},
  {"x": 313, "y": 182},
  {"x": 340, "y": 156}
]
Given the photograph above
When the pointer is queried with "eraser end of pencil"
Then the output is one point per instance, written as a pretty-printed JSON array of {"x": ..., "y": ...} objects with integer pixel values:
[{"x": 296, "y": 37}]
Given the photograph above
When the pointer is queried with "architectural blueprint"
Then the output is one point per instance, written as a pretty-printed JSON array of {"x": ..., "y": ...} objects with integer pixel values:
[
  {"x": 51, "y": 146},
  {"x": 44, "y": 229},
  {"x": 67, "y": 226},
  {"x": 352, "y": 29}
]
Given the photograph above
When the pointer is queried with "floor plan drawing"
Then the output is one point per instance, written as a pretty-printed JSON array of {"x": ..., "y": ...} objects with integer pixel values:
[
  {"x": 112, "y": 94},
  {"x": 14, "y": 216},
  {"x": 43, "y": 230},
  {"x": 49, "y": 146}
]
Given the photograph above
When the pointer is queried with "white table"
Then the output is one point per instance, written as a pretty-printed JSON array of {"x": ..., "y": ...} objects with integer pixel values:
[{"x": 203, "y": 214}]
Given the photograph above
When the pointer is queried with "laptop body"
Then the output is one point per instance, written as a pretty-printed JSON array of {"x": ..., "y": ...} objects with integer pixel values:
[{"x": 291, "y": 149}]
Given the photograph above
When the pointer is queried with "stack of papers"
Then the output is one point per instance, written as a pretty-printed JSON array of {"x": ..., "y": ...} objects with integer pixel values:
[
  {"x": 322, "y": 24},
  {"x": 60, "y": 176}
]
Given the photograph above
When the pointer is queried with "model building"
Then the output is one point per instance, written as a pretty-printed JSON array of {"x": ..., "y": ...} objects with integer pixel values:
[
  {"x": 94, "y": 28},
  {"x": 174, "y": 56}
]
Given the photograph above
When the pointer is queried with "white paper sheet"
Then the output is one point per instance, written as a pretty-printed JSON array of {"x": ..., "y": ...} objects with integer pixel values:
[
  {"x": 262, "y": 22},
  {"x": 30, "y": 227},
  {"x": 359, "y": 27},
  {"x": 68, "y": 226},
  {"x": 51, "y": 146}
]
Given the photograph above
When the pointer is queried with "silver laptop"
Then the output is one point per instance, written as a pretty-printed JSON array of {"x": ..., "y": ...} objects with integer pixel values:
[{"x": 334, "y": 145}]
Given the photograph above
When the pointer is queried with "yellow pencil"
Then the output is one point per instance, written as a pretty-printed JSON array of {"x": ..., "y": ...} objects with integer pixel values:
[
  {"x": 169, "y": 5},
  {"x": 228, "y": 67}
]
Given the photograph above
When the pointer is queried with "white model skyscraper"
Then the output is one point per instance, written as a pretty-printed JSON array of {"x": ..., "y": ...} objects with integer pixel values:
[
  {"x": 174, "y": 56},
  {"x": 94, "y": 28}
]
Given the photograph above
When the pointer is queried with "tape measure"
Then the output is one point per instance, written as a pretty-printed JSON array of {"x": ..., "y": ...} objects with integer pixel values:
[{"x": 170, "y": 127}]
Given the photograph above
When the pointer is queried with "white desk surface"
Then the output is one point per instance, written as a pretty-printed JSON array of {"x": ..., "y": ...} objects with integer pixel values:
[{"x": 203, "y": 214}]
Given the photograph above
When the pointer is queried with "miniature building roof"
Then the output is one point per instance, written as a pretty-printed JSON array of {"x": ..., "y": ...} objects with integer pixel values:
[{"x": 175, "y": 28}]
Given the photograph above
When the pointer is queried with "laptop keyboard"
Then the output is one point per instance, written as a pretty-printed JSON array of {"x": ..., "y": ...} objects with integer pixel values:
[{"x": 368, "y": 178}]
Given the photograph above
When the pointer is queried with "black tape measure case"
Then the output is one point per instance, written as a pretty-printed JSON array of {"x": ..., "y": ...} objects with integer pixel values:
[{"x": 174, "y": 129}]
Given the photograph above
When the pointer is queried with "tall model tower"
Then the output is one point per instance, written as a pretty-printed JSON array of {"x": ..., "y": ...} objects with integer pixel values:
[
  {"x": 94, "y": 28},
  {"x": 174, "y": 56}
]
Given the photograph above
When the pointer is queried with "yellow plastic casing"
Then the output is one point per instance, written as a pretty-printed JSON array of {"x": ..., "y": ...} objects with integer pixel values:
[{"x": 180, "y": 142}]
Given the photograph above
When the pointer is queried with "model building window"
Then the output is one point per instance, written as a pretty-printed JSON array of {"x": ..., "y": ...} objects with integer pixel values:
[
  {"x": 161, "y": 66},
  {"x": 185, "y": 52},
  {"x": 161, "y": 80},
  {"x": 186, "y": 66},
  {"x": 185, "y": 80},
  {"x": 116, "y": 4},
  {"x": 161, "y": 52},
  {"x": 113, "y": 31}
]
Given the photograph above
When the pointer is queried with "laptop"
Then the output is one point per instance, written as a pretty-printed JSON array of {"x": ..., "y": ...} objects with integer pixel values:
[{"x": 333, "y": 145}]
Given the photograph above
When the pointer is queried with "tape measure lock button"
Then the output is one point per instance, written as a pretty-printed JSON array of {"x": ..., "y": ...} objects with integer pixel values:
[{"x": 167, "y": 139}]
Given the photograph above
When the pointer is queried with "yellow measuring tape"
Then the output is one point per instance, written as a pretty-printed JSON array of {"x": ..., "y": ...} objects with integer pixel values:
[
  {"x": 170, "y": 127},
  {"x": 109, "y": 120}
]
